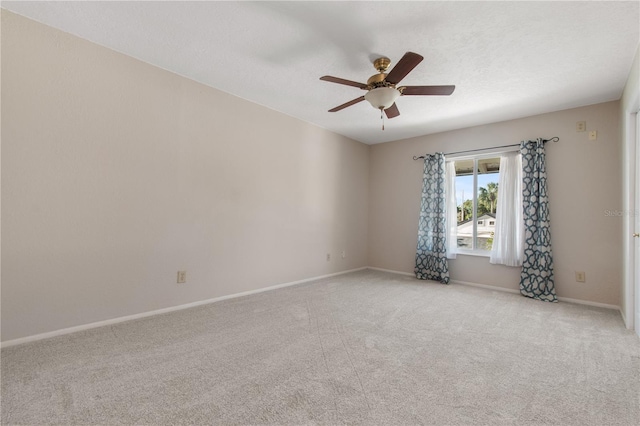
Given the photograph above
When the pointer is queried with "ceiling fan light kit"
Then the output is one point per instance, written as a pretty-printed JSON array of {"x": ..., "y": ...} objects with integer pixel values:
[
  {"x": 381, "y": 88},
  {"x": 382, "y": 97}
]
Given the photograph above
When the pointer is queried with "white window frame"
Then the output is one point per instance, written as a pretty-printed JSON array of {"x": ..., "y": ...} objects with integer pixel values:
[{"x": 489, "y": 153}]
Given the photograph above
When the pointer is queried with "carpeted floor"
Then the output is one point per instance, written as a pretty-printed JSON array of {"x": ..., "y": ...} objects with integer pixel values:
[{"x": 364, "y": 348}]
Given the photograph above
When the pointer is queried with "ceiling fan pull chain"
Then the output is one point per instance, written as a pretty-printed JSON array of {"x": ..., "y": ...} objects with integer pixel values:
[{"x": 382, "y": 118}]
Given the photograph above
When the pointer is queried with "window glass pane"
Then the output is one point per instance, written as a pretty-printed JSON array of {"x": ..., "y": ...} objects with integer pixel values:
[
  {"x": 487, "y": 201},
  {"x": 464, "y": 201}
]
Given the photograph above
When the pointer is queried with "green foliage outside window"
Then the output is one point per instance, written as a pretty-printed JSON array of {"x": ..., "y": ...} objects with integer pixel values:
[{"x": 487, "y": 203}]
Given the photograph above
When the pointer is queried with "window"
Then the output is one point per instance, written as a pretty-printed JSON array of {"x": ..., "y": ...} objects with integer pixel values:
[{"x": 476, "y": 201}]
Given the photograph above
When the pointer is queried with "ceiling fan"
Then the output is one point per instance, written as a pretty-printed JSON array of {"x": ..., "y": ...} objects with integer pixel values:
[{"x": 382, "y": 89}]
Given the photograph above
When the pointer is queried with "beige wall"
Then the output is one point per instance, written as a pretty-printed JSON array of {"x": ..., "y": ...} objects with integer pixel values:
[
  {"x": 584, "y": 181},
  {"x": 117, "y": 174}
]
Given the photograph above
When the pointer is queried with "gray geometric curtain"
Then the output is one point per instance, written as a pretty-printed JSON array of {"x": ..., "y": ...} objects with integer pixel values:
[
  {"x": 431, "y": 253},
  {"x": 536, "y": 278}
]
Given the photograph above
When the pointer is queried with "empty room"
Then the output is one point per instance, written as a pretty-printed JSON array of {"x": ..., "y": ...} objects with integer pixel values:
[{"x": 320, "y": 213}]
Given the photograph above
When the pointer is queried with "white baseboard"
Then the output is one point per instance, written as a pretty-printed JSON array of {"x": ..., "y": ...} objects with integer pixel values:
[
  {"x": 70, "y": 330},
  {"x": 391, "y": 271},
  {"x": 485, "y": 286},
  {"x": 561, "y": 299},
  {"x": 512, "y": 290},
  {"x": 590, "y": 303}
]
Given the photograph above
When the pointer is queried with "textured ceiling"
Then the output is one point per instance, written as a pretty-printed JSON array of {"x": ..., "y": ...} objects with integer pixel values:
[{"x": 507, "y": 59}]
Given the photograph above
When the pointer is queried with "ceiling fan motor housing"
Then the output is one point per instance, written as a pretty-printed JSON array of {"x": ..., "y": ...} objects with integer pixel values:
[{"x": 377, "y": 80}]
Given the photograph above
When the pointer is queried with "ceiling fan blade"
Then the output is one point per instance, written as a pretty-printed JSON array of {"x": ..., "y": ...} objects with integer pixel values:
[
  {"x": 347, "y": 104},
  {"x": 403, "y": 67},
  {"x": 392, "y": 111},
  {"x": 343, "y": 81},
  {"x": 428, "y": 90}
]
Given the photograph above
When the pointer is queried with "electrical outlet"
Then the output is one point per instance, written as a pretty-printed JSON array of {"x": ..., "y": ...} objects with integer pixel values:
[
  {"x": 182, "y": 277},
  {"x": 328, "y": 257},
  {"x": 344, "y": 254},
  {"x": 593, "y": 135},
  {"x": 581, "y": 276},
  {"x": 581, "y": 126}
]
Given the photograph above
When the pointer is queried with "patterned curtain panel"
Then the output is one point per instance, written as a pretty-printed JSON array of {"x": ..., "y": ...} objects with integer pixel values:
[
  {"x": 431, "y": 254},
  {"x": 536, "y": 279}
]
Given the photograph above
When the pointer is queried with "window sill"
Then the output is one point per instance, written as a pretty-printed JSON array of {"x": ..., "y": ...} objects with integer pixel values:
[{"x": 477, "y": 253}]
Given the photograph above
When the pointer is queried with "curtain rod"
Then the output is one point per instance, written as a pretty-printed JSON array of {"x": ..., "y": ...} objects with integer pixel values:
[{"x": 553, "y": 139}]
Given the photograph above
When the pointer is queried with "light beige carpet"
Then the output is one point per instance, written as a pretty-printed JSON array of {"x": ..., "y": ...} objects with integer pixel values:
[{"x": 364, "y": 348}]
